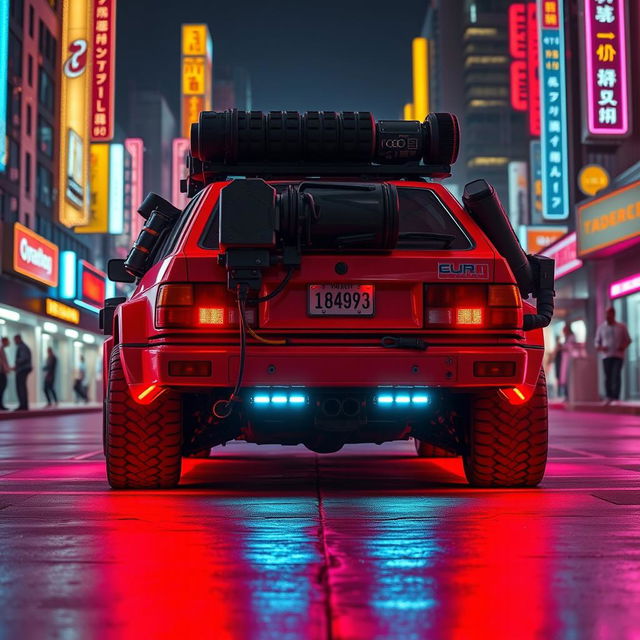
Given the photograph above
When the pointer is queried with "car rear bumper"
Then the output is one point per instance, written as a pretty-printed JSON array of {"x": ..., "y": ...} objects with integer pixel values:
[{"x": 324, "y": 366}]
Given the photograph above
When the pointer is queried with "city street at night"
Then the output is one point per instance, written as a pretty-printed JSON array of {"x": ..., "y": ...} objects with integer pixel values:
[
  {"x": 320, "y": 322},
  {"x": 274, "y": 542}
]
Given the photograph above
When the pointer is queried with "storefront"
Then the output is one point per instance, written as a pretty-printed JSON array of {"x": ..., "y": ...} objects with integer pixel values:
[
  {"x": 608, "y": 229},
  {"x": 571, "y": 308},
  {"x": 32, "y": 306}
]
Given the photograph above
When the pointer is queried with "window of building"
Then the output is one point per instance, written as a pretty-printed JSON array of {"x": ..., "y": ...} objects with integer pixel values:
[
  {"x": 31, "y": 20},
  {"x": 44, "y": 181},
  {"x": 45, "y": 137},
  {"x": 27, "y": 173},
  {"x": 29, "y": 118},
  {"x": 14, "y": 161},
  {"x": 16, "y": 8},
  {"x": 30, "y": 70},
  {"x": 45, "y": 90},
  {"x": 14, "y": 104},
  {"x": 15, "y": 56}
]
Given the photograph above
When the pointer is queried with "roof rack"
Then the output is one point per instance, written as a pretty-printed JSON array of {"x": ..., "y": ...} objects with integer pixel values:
[{"x": 204, "y": 173}]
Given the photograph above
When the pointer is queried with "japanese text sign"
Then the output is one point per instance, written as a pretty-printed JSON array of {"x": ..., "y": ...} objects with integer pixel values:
[
  {"x": 197, "y": 61},
  {"x": 103, "y": 69},
  {"x": 553, "y": 129},
  {"x": 606, "y": 68},
  {"x": 523, "y": 46}
]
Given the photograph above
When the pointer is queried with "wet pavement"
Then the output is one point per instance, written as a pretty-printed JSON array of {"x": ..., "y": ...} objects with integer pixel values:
[{"x": 280, "y": 543}]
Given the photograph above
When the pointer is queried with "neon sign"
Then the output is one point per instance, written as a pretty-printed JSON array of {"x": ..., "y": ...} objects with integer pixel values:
[
  {"x": 625, "y": 287},
  {"x": 135, "y": 148},
  {"x": 523, "y": 47},
  {"x": 565, "y": 253},
  {"x": 553, "y": 130},
  {"x": 4, "y": 68},
  {"x": 103, "y": 65},
  {"x": 606, "y": 68}
]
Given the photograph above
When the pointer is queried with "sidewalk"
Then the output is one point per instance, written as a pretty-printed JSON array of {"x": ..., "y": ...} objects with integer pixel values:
[
  {"x": 628, "y": 407},
  {"x": 39, "y": 410}
]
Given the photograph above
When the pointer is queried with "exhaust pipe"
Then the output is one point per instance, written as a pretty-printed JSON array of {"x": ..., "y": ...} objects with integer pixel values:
[
  {"x": 533, "y": 274},
  {"x": 331, "y": 407},
  {"x": 350, "y": 407}
]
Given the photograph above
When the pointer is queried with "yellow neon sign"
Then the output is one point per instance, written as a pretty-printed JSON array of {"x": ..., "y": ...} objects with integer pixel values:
[
  {"x": 420, "y": 55},
  {"x": 75, "y": 96},
  {"x": 61, "y": 311},
  {"x": 99, "y": 204}
]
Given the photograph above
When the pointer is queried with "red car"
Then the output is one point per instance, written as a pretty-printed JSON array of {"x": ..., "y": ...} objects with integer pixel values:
[{"x": 332, "y": 295}]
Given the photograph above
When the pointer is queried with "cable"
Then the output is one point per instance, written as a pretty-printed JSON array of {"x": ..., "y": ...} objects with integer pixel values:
[
  {"x": 241, "y": 298},
  {"x": 253, "y": 334},
  {"x": 278, "y": 289}
]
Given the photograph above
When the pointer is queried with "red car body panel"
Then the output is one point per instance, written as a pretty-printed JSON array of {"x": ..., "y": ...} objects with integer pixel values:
[{"x": 327, "y": 351}]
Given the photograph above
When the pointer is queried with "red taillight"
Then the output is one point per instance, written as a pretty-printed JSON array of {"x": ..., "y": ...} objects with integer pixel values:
[
  {"x": 495, "y": 306},
  {"x": 198, "y": 306}
]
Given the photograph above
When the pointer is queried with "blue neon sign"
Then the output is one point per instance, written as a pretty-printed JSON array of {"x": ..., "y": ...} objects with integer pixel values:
[
  {"x": 68, "y": 275},
  {"x": 553, "y": 111},
  {"x": 116, "y": 189},
  {"x": 4, "y": 79}
]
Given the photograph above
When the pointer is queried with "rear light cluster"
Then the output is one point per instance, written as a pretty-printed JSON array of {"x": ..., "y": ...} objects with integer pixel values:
[
  {"x": 471, "y": 306},
  {"x": 198, "y": 306}
]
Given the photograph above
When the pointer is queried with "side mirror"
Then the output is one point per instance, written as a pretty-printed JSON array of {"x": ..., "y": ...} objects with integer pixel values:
[{"x": 117, "y": 273}]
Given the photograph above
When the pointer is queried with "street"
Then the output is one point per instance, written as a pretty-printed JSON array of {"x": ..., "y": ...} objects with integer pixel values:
[{"x": 274, "y": 542}]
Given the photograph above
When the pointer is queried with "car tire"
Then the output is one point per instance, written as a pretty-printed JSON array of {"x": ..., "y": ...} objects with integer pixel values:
[
  {"x": 143, "y": 442},
  {"x": 428, "y": 450},
  {"x": 508, "y": 443}
]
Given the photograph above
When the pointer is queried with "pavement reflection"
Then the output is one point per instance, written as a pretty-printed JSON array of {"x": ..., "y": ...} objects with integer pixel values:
[{"x": 274, "y": 543}]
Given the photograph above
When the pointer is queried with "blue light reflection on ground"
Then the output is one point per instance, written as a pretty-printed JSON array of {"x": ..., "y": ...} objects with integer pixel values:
[{"x": 280, "y": 547}]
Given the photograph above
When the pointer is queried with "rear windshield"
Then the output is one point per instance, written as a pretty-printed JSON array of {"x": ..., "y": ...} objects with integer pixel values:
[{"x": 425, "y": 223}]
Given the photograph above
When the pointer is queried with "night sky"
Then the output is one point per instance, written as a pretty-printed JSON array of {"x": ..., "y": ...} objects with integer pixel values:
[{"x": 349, "y": 55}]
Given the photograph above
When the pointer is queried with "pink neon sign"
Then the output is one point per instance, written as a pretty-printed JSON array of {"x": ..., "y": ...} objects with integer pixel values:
[
  {"x": 181, "y": 147},
  {"x": 607, "y": 68},
  {"x": 624, "y": 287},
  {"x": 135, "y": 148},
  {"x": 565, "y": 253}
]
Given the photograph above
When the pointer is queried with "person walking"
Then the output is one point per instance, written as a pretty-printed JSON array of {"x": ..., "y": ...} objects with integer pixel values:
[
  {"x": 612, "y": 340},
  {"x": 50, "y": 377},
  {"x": 4, "y": 370},
  {"x": 78, "y": 384},
  {"x": 566, "y": 352},
  {"x": 22, "y": 368}
]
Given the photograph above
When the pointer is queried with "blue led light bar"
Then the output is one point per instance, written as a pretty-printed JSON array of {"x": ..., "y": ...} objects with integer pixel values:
[
  {"x": 280, "y": 397},
  {"x": 402, "y": 397}
]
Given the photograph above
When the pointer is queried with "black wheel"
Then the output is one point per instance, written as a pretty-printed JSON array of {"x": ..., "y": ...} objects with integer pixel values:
[
  {"x": 428, "y": 450},
  {"x": 508, "y": 444},
  {"x": 142, "y": 441}
]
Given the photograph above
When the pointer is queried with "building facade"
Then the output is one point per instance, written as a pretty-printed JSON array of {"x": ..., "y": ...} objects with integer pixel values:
[{"x": 32, "y": 242}]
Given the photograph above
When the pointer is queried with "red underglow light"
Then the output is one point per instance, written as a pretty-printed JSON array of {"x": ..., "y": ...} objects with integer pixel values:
[
  {"x": 211, "y": 315},
  {"x": 469, "y": 316}
]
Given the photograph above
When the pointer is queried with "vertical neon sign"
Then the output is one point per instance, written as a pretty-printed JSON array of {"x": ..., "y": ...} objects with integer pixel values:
[
  {"x": 553, "y": 94},
  {"x": 180, "y": 150},
  {"x": 103, "y": 69},
  {"x": 606, "y": 68},
  {"x": 135, "y": 148},
  {"x": 523, "y": 47},
  {"x": 4, "y": 72}
]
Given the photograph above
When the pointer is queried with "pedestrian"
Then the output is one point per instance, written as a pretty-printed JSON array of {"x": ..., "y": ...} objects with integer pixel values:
[
  {"x": 566, "y": 352},
  {"x": 22, "y": 368},
  {"x": 4, "y": 370},
  {"x": 78, "y": 384},
  {"x": 50, "y": 377},
  {"x": 612, "y": 340}
]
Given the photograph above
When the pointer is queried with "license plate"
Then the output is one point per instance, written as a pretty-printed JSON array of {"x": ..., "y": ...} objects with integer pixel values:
[{"x": 341, "y": 300}]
